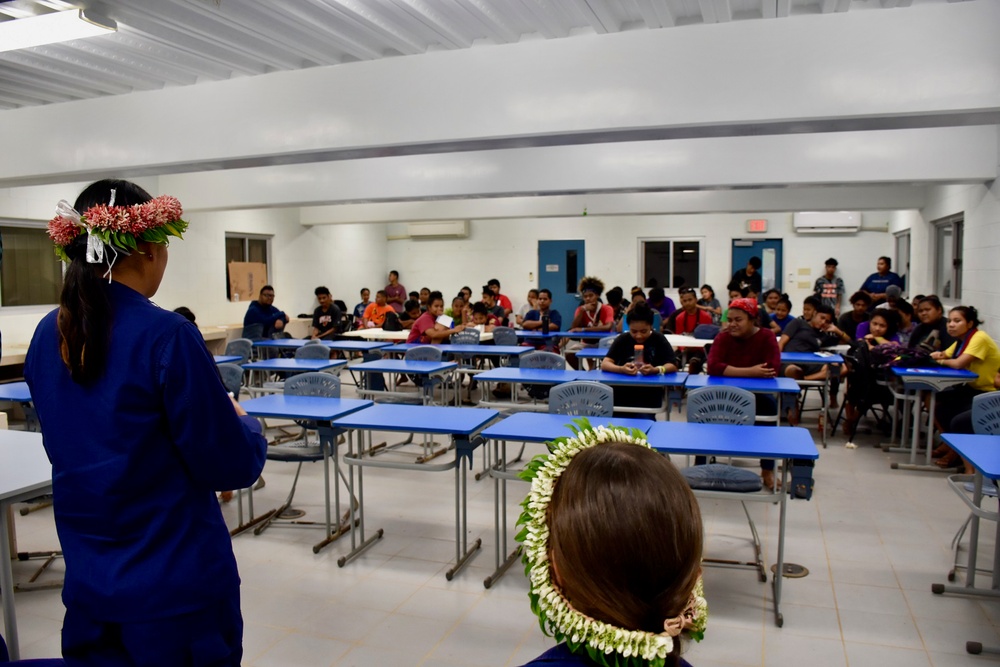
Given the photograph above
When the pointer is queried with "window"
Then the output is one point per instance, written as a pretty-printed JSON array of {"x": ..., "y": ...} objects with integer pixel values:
[
  {"x": 902, "y": 261},
  {"x": 671, "y": 263},
  {"x": 30, "y": 274},
  {"x": 948, "y": 257},
  {"x": 246, "y": 248}
]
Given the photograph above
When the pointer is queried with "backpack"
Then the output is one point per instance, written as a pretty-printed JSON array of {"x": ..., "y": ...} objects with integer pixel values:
[{"x": 391, "y": 323}]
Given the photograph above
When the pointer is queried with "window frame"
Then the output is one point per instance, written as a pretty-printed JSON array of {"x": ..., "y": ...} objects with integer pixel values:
[
  {"x": 956, "y": 224},
  {"x": 246, "y": 237},
  {"x": 641, "y": 263},
  {"x": 37, "y": 307}
]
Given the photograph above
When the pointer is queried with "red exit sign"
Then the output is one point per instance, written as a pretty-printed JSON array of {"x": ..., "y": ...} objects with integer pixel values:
[{"x": 757, "y": 226}]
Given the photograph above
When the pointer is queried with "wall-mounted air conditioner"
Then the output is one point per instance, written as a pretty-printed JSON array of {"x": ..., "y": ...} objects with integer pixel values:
[
  {"x": 452, "y": 229},
  {"x": 829, "y": 222}
]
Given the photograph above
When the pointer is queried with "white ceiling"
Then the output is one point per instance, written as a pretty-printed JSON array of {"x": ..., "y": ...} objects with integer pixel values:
[{"x": 168, "y": 43}]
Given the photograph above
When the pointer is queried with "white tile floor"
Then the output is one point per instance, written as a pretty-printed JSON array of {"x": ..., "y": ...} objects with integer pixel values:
[{"x": 873, "y": 540}]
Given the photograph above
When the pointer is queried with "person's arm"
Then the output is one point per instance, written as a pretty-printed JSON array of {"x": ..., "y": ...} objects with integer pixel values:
[
  {"x": 532, "y": 324},
  {"x": 555, "y": 320},
  {"x": 776, "y": 328},
  {"x": 664, "y": 355},
  {"x": 221, "y": 449},
  {"x": 617, "y": 352},
  {"x": 577, "y": 322},
  {"x": 840, "y": 297},
  {"x": 439, "y": 333},
  {"x": 782, "y": 342},
  {"x": 606, "y": 318},
  {"x": 834, "y": 330}
]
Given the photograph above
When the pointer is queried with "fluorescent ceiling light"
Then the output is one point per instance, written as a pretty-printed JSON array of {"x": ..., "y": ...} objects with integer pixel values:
[{"x": 52, "y": 28}]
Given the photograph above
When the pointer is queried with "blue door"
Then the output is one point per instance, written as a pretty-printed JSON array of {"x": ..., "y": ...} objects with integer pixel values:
[
  {"x": 560, "y": 267},
  {"x": 769, "y": 251}
]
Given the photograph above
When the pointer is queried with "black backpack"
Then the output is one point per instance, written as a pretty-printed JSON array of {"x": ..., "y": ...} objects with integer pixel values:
[{"x": 391, "y": 323}]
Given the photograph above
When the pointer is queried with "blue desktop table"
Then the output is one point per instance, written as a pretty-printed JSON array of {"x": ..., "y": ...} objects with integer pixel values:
[
  {"x": 463, "y": 425},
  {"x": 818, "y": 359},
  {"x": 665, "y": 382},
  {"x": 226, "y": 358},
  {"x": 741, "y": 441},
  {"x": 917, "y": 381},
  {"x": 771, "y": 386},
  {"x": 313, "y": 408},
  {"x": 517, "y": 376},
  {"x": 528, "y": 427},
  {"x": 427, "y": 369},
  {"x": 983, "y": 452}
]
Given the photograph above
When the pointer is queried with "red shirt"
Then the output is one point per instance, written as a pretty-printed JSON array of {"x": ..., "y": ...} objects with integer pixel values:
[
  {"x": 420, "y": 327},
  {"x": 504, "y": 302},
  {"x": 603, "y": 315},
  {"x": 685, "y": 322},
  {"x": 760, "y": 348}
]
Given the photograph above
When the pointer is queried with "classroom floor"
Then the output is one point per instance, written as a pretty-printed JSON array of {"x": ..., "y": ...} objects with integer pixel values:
[{"x": 873, "y": 540}]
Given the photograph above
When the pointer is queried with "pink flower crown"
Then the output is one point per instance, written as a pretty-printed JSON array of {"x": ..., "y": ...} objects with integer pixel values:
[{"x": 121, "y": 226}]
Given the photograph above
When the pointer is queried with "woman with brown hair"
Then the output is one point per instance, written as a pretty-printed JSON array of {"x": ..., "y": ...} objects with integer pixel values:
[{"x": 613, "y": 542}]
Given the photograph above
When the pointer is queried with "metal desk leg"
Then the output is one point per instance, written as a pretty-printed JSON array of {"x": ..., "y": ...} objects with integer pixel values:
[
  {"x": 329, "y": 444},
  {"x": 500, "y": 519},
  {"x": 779, "y": 571},
  {"x": 358, "y": 523},
  {"x": 462, "y": 551},
  {"x": 913, "y": 465},
  {"x": 7, "y": 585}
]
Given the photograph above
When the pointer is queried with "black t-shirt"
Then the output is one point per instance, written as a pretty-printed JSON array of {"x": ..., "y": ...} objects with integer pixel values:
[
  {"x": 849, "y": 325},
  {"x": 802, "y": 337},
  {"x": 326, "y": 322},
  {"x": 742, "y": 281},
  {"x": 934, "y": 337},
  {"x": 656, "y": 351}
]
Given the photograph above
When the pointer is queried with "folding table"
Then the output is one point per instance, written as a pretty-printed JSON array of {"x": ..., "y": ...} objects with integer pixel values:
[
  {"x": 741, "y": 441},
  {"x": 528, "y": 427},
  {"x": 226, "y": 358},
  {"x": 517, "y": 376},
  {"x": 426, "y": 369},
  {"x": 25, "y": 473},
  {"x": 462, "y": 424},
  {"x": 817, "y": 358}
]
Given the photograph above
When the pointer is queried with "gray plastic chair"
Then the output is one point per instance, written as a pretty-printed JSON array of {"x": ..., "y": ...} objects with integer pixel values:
[
  {"x": 253, "y": 332},
  {"x": 305, "y": 449},
  {"x": 465, "y": 337},
  {"x": 504, "y": 336},
  {"x": 232, "y": 378},
  {"x": 547, "y": 360},
  {"x": 423, "y": 353},
  {"x": 606, "y": 342},
  {"x": 582, "y": 399},
  {"x": 315, "y": 351},
  {"x": 242, "y": 347},
  {"x": 721, "y": 405}
]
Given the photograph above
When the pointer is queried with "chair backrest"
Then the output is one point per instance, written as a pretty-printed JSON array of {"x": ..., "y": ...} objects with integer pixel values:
[
  {"x": 423, "y": 353},
  {"x": 582, "y": 399},
  {"x": 548, "y": 360},
  {"x": 253, "y": 331},
  {"x": 465, "y": 337},
  {"x": 242, "y": 347},
  {"x": 986, "y": 413},
  {"x": 313, "y": 384},
  {"x": 504, "y": 336},
  {"x": 232, "y": 377},
  {"x": 721, "y": 405},
  {"x": 313, "y": 352},
  {"x": 606, "y": 342}
]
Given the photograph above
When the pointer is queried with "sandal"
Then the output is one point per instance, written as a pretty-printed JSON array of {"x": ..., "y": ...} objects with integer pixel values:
[{"x": 950, "y": 460}]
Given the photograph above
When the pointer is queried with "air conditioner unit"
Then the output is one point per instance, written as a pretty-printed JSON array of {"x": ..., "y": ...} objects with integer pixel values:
[
  {"x": 829, "y": 222},
  {"x": 454, "y": 229}
]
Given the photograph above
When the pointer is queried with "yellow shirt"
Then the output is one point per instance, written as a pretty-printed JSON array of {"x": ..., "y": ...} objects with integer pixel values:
[{"x": 985, "y": 362}]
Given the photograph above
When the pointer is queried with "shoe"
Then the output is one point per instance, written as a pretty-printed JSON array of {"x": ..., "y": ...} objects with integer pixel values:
[
  {"x": 769, "y": 480},
  {"x": 225, "y": 496},
  {"x": 793, "y": 416},
  {"x": 502, "y": 390},
  {"x": 402, "y": 380}
]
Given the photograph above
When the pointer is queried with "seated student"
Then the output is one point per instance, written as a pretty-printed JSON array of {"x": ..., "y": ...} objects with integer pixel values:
[
  {"x": 494, "y": 308},
  {"x": 502, "y": 300},
  {"x": 893, "y": 294},
  {"x": 640, "y": 351},
  {"x": 638, "y": 297},
  {"x": 530, "y": 304},
  {"x": 904, "y": 311},
  {"x": 359, "y": 310},
  {"x": 411, "y": 311},
  {"x": 733, "y": 295},
  {"x": 263, "y": 312},
  {"x": 533, "y": 318},
  {"x": 771, "y": 298},
  {"x": 483, "y": 319},
  {"x": 466, "y": 293},
  {"x": 375, "y": 313},
  {"x": 848, "y": 322},
  {"x": 684, "y": 320},
  {"x": 326, "y": 317},
  {"x": 592, "y": 315},
  {"x": 457, "y": 311},
  {"x": 809, "y": 306},
  {"x": 412, "y": 296},
  {"x": 616, "y": 299},
  {"x": 782, "y": 315},
  {"x": 803, "y": 336},
  {"x": 881, "y": 328},
  {"x": 186, "y": 313},
  {"x": 710, "y": 304},
  {"x": 932, "y": 332},
  {"x": 427, "y": 329},
  {"x": 658, "y": 300},
  {"x": 744, "y": 349},
  {"x": 616, "y": 537},
  {"x": 425, "y": 295}
]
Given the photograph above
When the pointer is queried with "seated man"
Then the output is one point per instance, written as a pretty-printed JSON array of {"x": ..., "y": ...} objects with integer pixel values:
[
  {"x": 490, "y": 299},
  {"x": 425, "y": 294},
  {"x": 684, "y": 320},
  {"x": 624, "y": 357},
  {"x": 591, "y": 316},
  {"x": 427, "y": 329},
  {"x": 502, "y": 300},
  {"x": 411, "y": 311},
  {"x": 375, "y": 313},
  {"x": 263, "y": 312},
  {"x": 803, "y": 336},
  {"x": 744, "y": 349},
  {"x": 534, "y": 319},
  {"x": 359, "y": 310},
  {"x": 326, "y": 317}
]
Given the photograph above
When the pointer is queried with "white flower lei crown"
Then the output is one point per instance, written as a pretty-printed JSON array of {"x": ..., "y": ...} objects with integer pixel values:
[{"x": 634, "y": 648}]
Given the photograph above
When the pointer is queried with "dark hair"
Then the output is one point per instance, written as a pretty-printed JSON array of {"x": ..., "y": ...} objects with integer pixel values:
[
  {"x": 891, "y": 320},
  {"x": 186, "y": 313},
  {"x": 322, "y": 290},
  {"x": 625, "y": 537},
  {"x": 641, "y": 313},
  {"x": 457, "y": 297},
  {"x": 425, "y": 289},
  {"x": 656, "y": 294},
  {"x": 592, "y": 284},
  {"x": 414, "y": 295},
  {"x": 861, "y": 296},
  {"x": 969, "y": 313},
  {"x": 84, "y": 319},
  {"x": 545, "y": 291},
  {"x": 394, "y": 272},
  {"x": 772, "y": 291},
  {"x": 687, "y": 290},
  {"x": 532, "y": 290},
  {"x": 786, "y": 301},
  {"x": 265, "y": 288},
  {"x": 614, "y": 296},
  {"x": 904, "y": 306},
  {"x": 410, "y": 304},
  {"x": 887, "y": 260},
  {"x": 488, "y": 292},
  {"x": 709, "y": 288},
  {"x": 466, "y": 289},
  {"x": 826, "y": 309},
  {"x": 436, "y": 294},
  {"x": 480, "y": 307},
  {"x": 365, "y": 289},
  {"x": 934, "y": 301},
  {"x": 812, "y": 300},
  {"x": 639, "y": 293},
  {"x": 382, "y": 292},
  {"x": 493, "y": 281},
  {"x": 755, "y": 262}
]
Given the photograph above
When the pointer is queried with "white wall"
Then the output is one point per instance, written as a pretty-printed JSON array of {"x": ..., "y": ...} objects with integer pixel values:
[{"x": 507, "y": 250}]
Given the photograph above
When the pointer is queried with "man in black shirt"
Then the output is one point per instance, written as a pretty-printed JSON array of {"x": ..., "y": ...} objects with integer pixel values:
[
  {"x": 326, "y": 317},
  {"x": 748, "y": 278}
]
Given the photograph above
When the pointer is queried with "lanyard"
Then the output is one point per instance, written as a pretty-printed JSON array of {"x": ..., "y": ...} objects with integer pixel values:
[{"x": 964, "y": 343}]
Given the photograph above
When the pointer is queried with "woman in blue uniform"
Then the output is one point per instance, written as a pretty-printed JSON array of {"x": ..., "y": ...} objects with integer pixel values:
[{"x": 141, "y": 434}]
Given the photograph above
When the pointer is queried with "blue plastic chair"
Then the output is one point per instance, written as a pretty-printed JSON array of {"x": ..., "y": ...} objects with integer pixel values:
[{"x": 504, "y": 336}]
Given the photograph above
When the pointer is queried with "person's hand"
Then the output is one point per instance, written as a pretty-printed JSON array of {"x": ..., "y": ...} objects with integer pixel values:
[
  {"x": 279, "y": 324},
  {"x": 370, "y": 325},
  {"x": 459, "y": 327},
  {"x": 239, "y": 408},
  {"x": 649, "y": 369},
  {"x": 629, "y": 368},
  {"x": 762, "y": 371},
  {"x": 591, "y": 307},
  {"x": 937, "y": 355}
]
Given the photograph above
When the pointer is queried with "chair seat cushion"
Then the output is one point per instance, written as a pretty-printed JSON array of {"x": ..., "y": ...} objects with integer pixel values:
[
  {"x": 722, "y": 477},
  {"x": 294, "y": 453}
]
